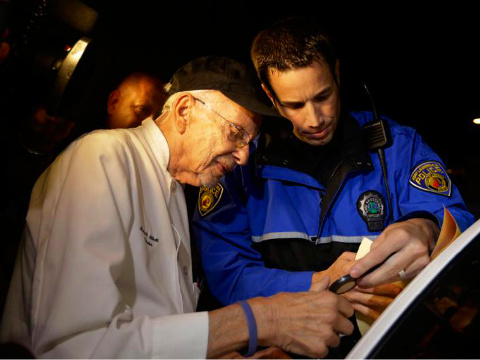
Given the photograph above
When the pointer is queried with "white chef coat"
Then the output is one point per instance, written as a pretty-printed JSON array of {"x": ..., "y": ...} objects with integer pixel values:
[{"x": 104, "y": 268}]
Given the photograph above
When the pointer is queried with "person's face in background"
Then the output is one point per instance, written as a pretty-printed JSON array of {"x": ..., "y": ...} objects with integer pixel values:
[
  {"x": 46, "y": 131},
  {"x": 309, "y": 98},
  {"x": 5, "y": 16},
  {"x": 134, "y": 101},
  {"x": 4, "y": 45}
]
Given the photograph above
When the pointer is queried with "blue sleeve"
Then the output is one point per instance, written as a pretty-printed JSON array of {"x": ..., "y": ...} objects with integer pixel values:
[
  {"x": 410, "y": 153},
  {"x": 233, "y": 268}
]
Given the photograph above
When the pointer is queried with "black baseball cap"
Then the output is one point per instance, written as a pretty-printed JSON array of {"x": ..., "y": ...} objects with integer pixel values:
[{"x": 229, "y": 76}]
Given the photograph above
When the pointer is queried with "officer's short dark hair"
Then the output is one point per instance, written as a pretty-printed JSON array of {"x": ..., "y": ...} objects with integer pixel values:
[{"x": 291, "y": 43}]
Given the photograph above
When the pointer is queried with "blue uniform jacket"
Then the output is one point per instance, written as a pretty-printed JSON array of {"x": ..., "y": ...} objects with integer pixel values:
[{"x": 261, "y": 203}]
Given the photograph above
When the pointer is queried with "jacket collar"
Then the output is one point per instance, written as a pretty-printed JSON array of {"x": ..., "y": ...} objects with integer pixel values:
[{"x": 347, "y": 148}]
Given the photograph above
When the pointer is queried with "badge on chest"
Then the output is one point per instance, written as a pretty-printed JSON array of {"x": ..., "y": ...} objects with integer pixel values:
[{"x": 371, "y": 207}]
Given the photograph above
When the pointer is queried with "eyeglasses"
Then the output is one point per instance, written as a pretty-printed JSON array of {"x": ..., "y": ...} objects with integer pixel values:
[{"x": 237, "y": 134}]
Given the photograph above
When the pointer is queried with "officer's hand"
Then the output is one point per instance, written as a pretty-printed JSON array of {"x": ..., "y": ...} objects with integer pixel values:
[
  {"x": 305, "y": 323},
  {"x": 339, "y": 268},
  {"x": 372, "y": 301},
  {"x": 407, "y": 245}
]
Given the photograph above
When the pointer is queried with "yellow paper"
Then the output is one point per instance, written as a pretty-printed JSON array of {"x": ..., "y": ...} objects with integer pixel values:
[{"x": 448, "y": 233}]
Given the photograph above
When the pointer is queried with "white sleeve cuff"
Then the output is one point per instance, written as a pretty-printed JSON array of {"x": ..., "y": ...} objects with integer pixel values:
[{"x": 181, "y": 336}]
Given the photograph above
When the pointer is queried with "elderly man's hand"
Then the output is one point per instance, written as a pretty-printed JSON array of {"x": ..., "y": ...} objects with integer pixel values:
[
  {"x": 406, "y": 246},
  {"x": 304, "y": 323},
  {"x": 268, "y": 353},
  {"x": 339, "y": 268}
]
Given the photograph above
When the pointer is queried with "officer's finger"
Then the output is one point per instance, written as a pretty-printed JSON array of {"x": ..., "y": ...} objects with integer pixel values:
[
  {"x": 415, "y": 266},
  {"x": 368, "y": 299},
  {"x": 368, "y": 312},
  {"x": 387, "y": 272},
  {"x": 375, "y": 257},
  {"x": 392, "y": 289}
]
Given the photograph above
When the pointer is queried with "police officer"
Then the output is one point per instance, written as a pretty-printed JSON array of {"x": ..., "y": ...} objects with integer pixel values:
[{"x": 299, "y": 209}]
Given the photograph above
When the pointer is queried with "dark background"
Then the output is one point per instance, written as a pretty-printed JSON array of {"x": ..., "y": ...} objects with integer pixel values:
[{"x": 421, "y": 59}]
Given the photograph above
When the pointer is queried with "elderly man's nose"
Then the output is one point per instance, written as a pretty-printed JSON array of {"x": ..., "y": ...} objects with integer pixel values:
[{"x": 241, "y": 155}]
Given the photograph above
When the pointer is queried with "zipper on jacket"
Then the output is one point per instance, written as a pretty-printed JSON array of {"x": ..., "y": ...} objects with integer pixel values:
[{"x": 323, "y": 213}]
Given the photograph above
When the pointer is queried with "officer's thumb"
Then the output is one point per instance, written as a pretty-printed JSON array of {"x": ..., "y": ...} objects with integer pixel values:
[{"x": 321, "y": 284}]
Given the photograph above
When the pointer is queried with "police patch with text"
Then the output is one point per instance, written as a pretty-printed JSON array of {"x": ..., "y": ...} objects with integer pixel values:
[
  {"x": 431, "y": 176},
  {"x": 208, "y": 198}
]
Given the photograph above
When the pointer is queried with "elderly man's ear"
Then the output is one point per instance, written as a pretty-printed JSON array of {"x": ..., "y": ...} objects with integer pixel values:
[{"x": 183, "y": 108}]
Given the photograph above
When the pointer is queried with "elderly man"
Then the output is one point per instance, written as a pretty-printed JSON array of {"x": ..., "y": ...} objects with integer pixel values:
[{"x": 105, "y": 264}]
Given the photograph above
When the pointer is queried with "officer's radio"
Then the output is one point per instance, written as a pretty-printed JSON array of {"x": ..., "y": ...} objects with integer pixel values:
[
  {"x": 376, "y": 133},
  {"x": 377, "y": 137}
]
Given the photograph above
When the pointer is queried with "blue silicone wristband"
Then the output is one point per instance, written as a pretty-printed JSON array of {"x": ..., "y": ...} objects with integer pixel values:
[{"x": 252, "y": 328}]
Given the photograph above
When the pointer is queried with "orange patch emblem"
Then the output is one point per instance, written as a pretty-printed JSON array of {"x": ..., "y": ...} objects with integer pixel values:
[
  {"x": 431, "y": 176},
  {"x": 208, "y": 198}
]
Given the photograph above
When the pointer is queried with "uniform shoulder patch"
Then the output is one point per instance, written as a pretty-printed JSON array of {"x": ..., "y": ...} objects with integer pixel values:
[
  {"x": 431, "y": 176},
  {"x": 208, "y": 198}
]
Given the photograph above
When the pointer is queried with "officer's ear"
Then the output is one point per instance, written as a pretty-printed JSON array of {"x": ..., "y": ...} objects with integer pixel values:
[
  {"x": 182, "y": 109},
  {"x": 337, "y": 72},
  {"x": 269, "y": 94}
]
